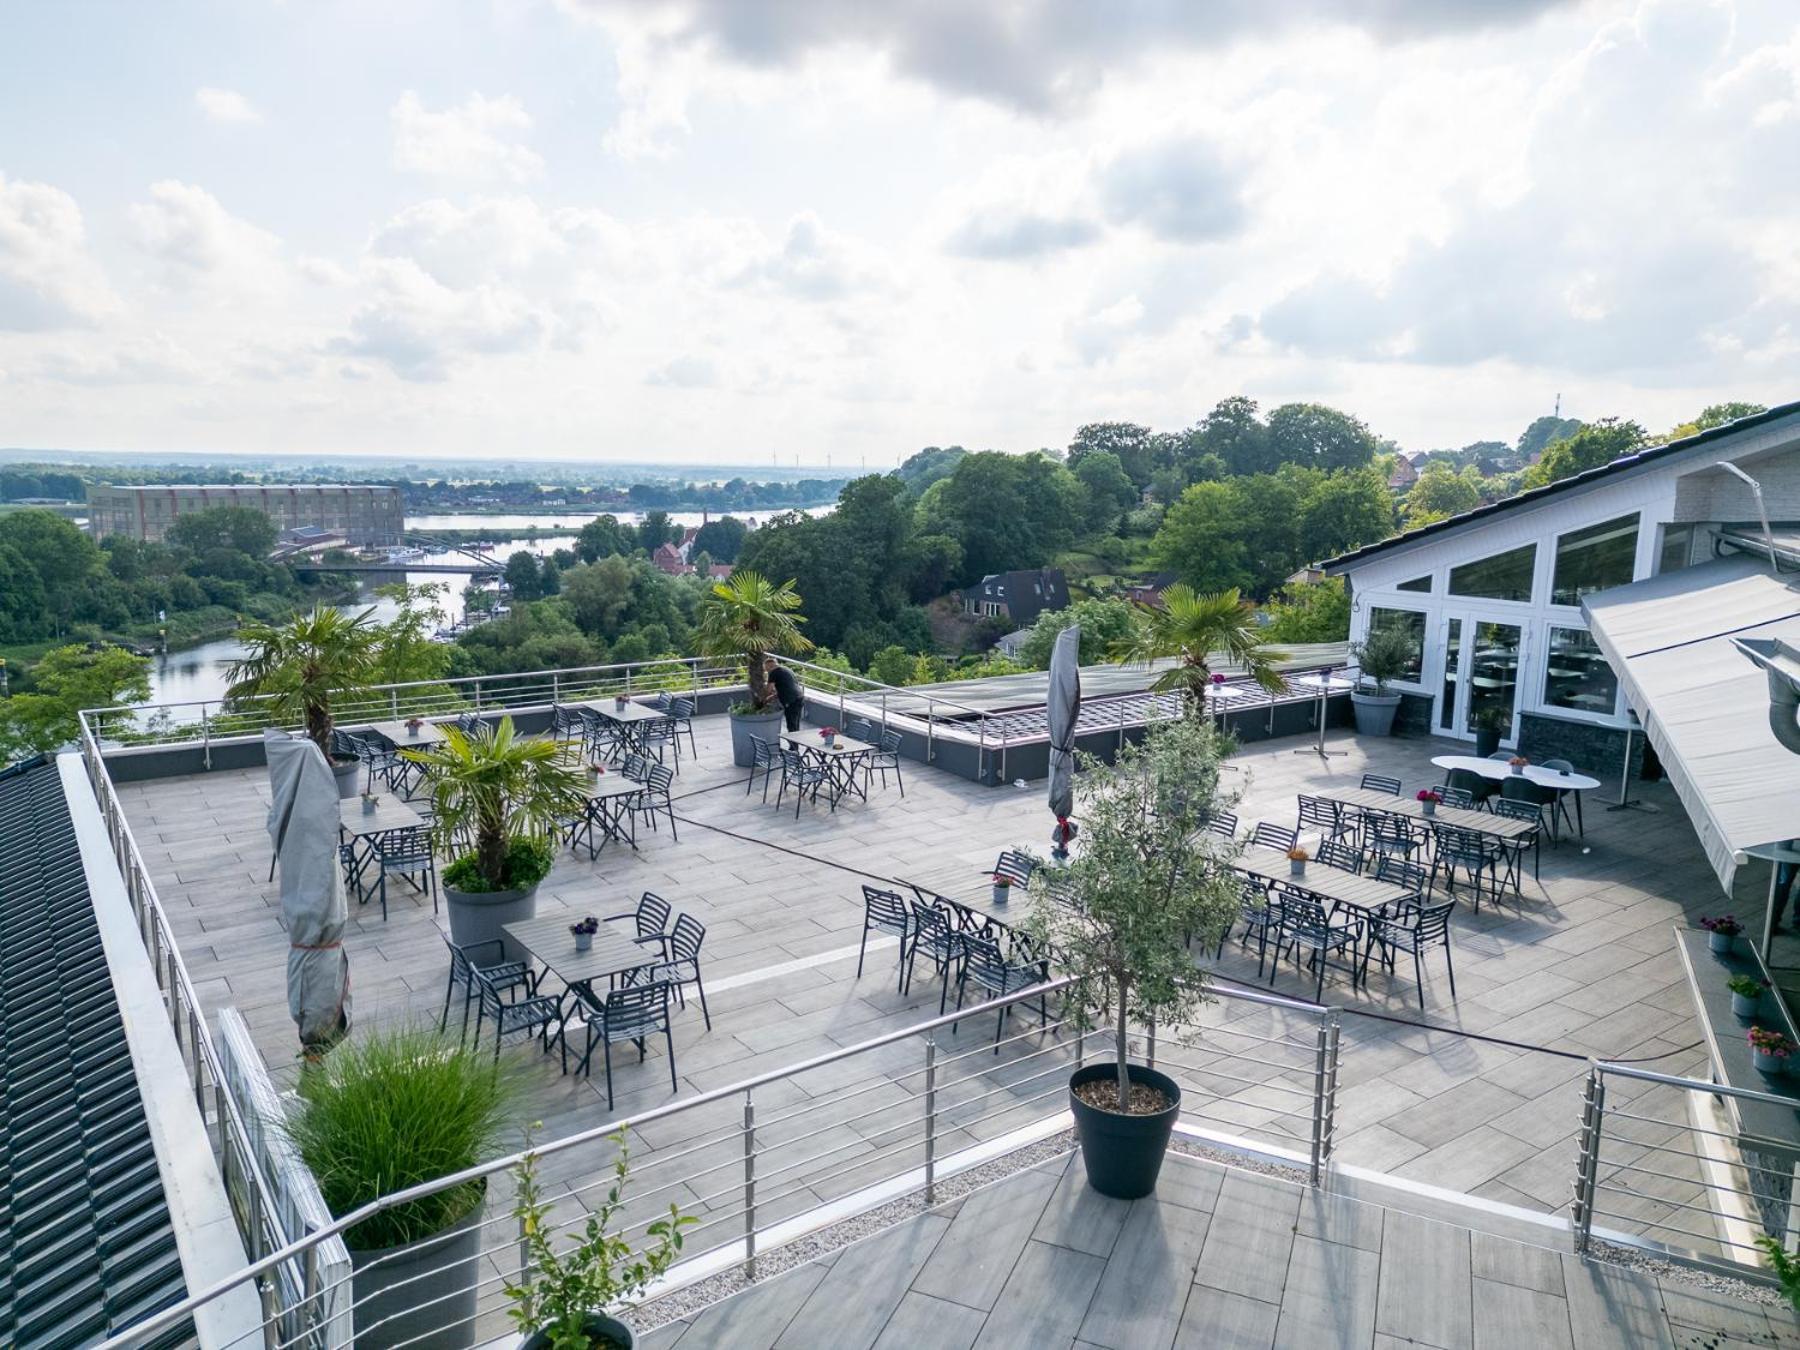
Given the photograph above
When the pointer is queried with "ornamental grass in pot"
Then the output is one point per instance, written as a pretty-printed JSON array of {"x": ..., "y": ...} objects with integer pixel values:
[
  {"x": 384, "y": 1112},
  {"x": 1147, "y": 881}
]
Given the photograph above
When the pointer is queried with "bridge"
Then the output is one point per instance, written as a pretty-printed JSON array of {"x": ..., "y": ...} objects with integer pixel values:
[{"x": 463, "y": 560}]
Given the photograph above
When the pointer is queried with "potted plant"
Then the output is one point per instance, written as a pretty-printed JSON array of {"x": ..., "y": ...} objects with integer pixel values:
[
  {"x": 1147, "y": 880},
  {"x": 1517, "y": 763},
  {"x": 1003, "y": 885},
  {"x": 508, "y": 794},
  {"x": 1384, "y": 654},
  {"x": 1428, "y": 801},
  {"x": 413, "y": 726},
  {"x": 294, "y": 669},
  {"x": 389, "y": 1110},
  {"x": 1769, "y": 1050},
  {"x": 1297, "y": 860},
  {"x": 747, "y": 617},
  {"x": 369, "y": 802},
  {"x": 829, "y": 736},
  {"x": 561, "y": 1302},
  {"x": 584, "y": 930},
  {"x": 1193, "y": 629},
  {"x": 1746, "y": 994},
  {"x": 1490, "y": 724},
  {"x": 1721, "y": 933}
]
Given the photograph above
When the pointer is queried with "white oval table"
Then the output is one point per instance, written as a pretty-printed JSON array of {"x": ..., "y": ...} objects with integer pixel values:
[{"x": 1499, "y": 771}]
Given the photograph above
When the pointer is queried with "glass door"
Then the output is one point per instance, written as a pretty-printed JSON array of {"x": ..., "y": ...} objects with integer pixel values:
[
  {"x": 1448, "y": 712},
  {"x": 1482, "y": 661}
]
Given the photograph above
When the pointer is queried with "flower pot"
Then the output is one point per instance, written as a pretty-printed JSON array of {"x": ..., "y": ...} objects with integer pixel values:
[
  {"x": 584, "y": 942},
  {"x": 1002, "y": 894},
  {"x": 744, "y": 726},
  {"x": 423, "y": 1292},
  {"x": 478, "y": 916},
  {"x": 1517, "y": 769},
  {"x": 830, "y": 742},
  {"x": 1487, "y": 740},
  {"x": 597, "y": 1325},
  {"x": 1767, "y": 1063},
  {"x": 347, "y": 772},
  {"x": 1428, "y": 807},
  {"x": 1745, "y": 1006},
  {"x": 1123, "y": 1154},
  {"x": 1374, "y": 712},
  {"x": 1296, "y": 867},
  {"x": 369, "y": 805},
  {"x": 1721, "y": 943}
]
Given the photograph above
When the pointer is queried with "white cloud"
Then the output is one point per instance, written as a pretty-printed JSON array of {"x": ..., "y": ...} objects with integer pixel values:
[
  {"x": 816, "y": 264},
  {"x": 479, "y": 140},
  {"x": 1178, "y": 189},
  {"x": 47, "y": 278},
  {"x": 685, "y": 372},
  {"x": 200, "y": 246},
  {"x": 226, "y": 105}
]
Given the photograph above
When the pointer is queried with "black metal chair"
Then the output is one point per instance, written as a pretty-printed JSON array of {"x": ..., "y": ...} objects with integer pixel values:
[
  {"x": 1327, "y": 817},
  {"x": 657, "y": 734},
  {"x": 535, "y": 1012},
  {"x": 885, "y": 912},
  {"x": 884, "y": 760},
  {"x": 631, "y": 1012},
  {"x": 681, "y": 713},
  {"x": 1472, "y": 785},
  {"x": 762, "y": 760},
  {"x": 1305, "y": 926},
  {"x": 1344, "y": 857},
  {"x": 936, "y": 934},
  {"x": 1563, "y": 795},
  {"x": 600, "y": 736},
  {"x": 1475, "y": 853},
  {"x": 1222, "y": 823},
  {"x": 650, "y": 918},
  {"x": 1261, "y": 913},
  {"x": 805, "y": 777},
  {"x": 1456, "y": 798},
  {"x": 404, "y": 853},
  {"x": 1412, "y": 928},
  {"x": 680, "y": 964},
  {"x": 1017, "y": 867},
  {"x": 997, "y": 977},
  {"x": 1513, "y": 849},
  {"x": 1380, "y": 782},
  {"x": 505, "y": 976},
  {"x": 1398, "y": 871},
  {"x": 635, "y": 766},
  {"x": 655, "y": 800},
  {"x": 1386, "y": 834},
  {"x": 470, "y": 723},
  {"x": 568, "y": 728},
  {"x": 1266, "y": 835}
]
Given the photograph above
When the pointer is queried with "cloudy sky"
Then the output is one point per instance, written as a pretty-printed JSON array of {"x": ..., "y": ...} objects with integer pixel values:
[{"x": 727, "y": 229}]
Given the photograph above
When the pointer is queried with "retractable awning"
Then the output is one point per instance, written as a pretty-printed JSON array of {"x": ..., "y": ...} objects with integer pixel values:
[{"x": 1704, "y": 706}]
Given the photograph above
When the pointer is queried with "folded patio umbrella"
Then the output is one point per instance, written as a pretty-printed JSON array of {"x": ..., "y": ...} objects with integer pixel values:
[
  {"x": 303, "y": 828},
  {"x": 1063, "y": 708}
]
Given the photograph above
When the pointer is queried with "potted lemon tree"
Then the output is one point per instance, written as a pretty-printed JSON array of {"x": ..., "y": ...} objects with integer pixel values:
[
  {"x": 1148, "y": 880},
  {"x": 748, "y": 617}
]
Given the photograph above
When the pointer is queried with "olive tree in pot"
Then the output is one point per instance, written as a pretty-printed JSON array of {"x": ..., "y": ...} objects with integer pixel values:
[
  {"x": 386, "y": 1112},
  {"x": 1385, "y": 654},
  {"x": 561, "y": 1301},
  {"x": 507, "y": 794},
  {"x": 1147, "y": 880},
  {"x": 748, "y": 616},
  {"x": 293, "y": 670}
]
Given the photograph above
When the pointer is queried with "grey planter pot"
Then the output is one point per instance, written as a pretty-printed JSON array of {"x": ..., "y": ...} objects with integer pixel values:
[
  {"x": 1374, "y": 713},
  {"x": 478, "y": 916},
  {"x": 1770, "y": 1064},
  {"x": 1296, "y": 868},
  {"x": 596, "y": 1325},
  {"x": 1721, "y": 943},
  {"x": 426, "y": 1287},
  {"x": 348, "y": 773},
  {"x": 1745, "y": 1007},
  {"x": 744, "y": 726}
]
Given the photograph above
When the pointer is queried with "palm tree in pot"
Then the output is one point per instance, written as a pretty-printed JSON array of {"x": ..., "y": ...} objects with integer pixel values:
[
  {"x": 1197, "y": 630},
  {"x": 1387, "y": 653},
  {"x": 749, "y": 617},
  {"x": 498, "y": 800},
  {"x": 1148, "y": 880},
  {"x": 385, "y": 1112},
  {"x": 294, "y": 669}
]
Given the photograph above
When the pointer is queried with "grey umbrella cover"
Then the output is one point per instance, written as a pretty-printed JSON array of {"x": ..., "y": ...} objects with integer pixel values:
[
  {"x": 303, "y": 829},
  {"x": 1063, "y": 708}
]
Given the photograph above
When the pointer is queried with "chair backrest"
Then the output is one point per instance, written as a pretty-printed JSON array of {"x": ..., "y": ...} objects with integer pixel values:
[
  {"x": 1055, "y": 883},
  {"x": 660, "y": 779},
  {"x": 1399, "y": 872},
  {"x": 986, "y": 963},
  {"x": 1458, "y": 843},
  {"x": 1016, "y": 865},
  {"x": 1300, "y": 911},
  {"x": 1518, "y": 788},
  {"x": 793, "y": 763},
  {"x": 759, "y": 750},
  {"x": 1388, "y": 829},
  {"x": 408, "y": 845},
  {"x": 469, "y": 723},
  {"x": 564, "y": 720},
  {"x": 1380, "y": 782},
  {"x": 635, "y": 767},
  {"x": 492, "y": 995},
  {"x": 890, "y": 743},
  {"x": 1434, "y": 921},
  {"x": 1318, "y": 813},
  {"x": 858, "y": 729},
  {"x": 1341, "y": 856},
  {"x": 933, "y": 926},
  {"x": 1559, "y": 765},
  {"x": 1272, "y": 836},
  {"x": 686, "y": 938},
  {"x": 633, "y": 1008},
  {"x": 887, "y": 906},
  {"x": 681, "y": 708},
  {"x": 1514, "y": 809},
  {"x": 662, "y": 700},
  {"x": 1502, "y": 755},
  {"x": 1222, "y": 823},
  {"x": 1457, "y": 798},
  {"x": 652, "y": 914}
]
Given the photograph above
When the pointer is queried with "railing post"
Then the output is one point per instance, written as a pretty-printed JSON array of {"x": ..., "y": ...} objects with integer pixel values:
[
  {"x": 478, "y": 696},
  {"x": 555, "y": 688},
  {"x": 309, "y": 1314},
  {"x": 749, "y": 1185},
  {"x": 205, "y": 738},
  {"x": 271, "y": 1312},
  {"x": 394, "y": 703},
  {"x": 930, "y": 726},
  {"x": 1322, "y": 1097},
  {"x": 1150, "y": 1044},
  {"x": 930, "y": 1119},
  {"x": 1587, "y": 1165}
]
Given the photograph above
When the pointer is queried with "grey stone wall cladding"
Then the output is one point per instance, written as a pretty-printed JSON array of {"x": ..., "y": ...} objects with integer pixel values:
[
  {"x": 1594, "y": 750},
  {"x": 1413, "y": 718}
]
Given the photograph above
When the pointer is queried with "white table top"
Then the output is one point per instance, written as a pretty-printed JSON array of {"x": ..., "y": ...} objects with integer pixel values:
[
  {"x": 429, "y": 734},
  {"x": 631, "y": 712},
  {"x": 1498, "y": 769}
]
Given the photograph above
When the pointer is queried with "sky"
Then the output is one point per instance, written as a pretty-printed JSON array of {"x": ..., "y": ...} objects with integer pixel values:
[{"x": 738, "y": 230}]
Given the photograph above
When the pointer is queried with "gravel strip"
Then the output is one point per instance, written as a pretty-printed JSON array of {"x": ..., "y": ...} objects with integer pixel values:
[{"x": 1647, "y": 1263}]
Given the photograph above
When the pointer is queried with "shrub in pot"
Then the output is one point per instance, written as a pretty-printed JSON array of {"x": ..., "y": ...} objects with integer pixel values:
[
  {"x": 384, "y": 1112},
  {"x": 1147, "y": 881},
  {"x": 1191, "y": 628},
  {"x": 748, "y": 617},
  {"x": 293, "y": 669},
  {"x": 1490, "y": 724},
  {"x": 1384, "y": 654},
  {"x": 1746, "y": 995},
  {"x": 562, "y": 1302},
  {"x": 508, "y": 794}
]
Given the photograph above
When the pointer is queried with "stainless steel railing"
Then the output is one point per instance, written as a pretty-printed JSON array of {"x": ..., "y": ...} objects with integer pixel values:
[
  {"x": 763, "y": 1162},
  {"x": 1659, "y": 1163}
]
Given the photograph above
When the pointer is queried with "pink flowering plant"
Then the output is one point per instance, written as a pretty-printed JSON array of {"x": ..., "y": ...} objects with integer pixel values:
[{"x": 1765, "y": 1041}]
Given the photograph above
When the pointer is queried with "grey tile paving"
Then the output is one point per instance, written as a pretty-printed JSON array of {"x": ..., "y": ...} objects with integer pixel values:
[
  {"x": 972, "y": 1263},
  {"x": 1216, "y": 1320},
  {"x": 921, "y": 1320},
  {"x": 1146, "y": 1284},
  {"x": 1044, "y": 1300},
  {"x": 1330, "y": 1299},
  {"x": 1424, "y": 1288},
  {"x": 864, "y": 1286},
  {"x": 1510, "y": 1315}
]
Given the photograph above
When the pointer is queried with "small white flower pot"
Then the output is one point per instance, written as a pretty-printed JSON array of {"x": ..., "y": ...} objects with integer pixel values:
[
  {"x": 1296, "y": 868},
  {"x": 369, "y": 804},
  {"x": 1721, "y": 943},
  {"x": 1768, "y": 1063},
  {"x": 1002, "y": 894},
  {"x": 1745, "y": 1006},
  {"x": 584, "y": 941},
  {"x": 1430, "y": 807}
]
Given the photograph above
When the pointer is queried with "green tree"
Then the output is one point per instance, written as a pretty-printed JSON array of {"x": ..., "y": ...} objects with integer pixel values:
[
  {"x": 893, "y": 665},
  {"x": 1319, "y": 437},
  {"x": 1718, "y": 414},
  {"x": 405, "y": 651},
  {"x": 603, "y": 537},
  {"x": 1108, "y": 490},
  {"x": 236, "y": 528},
  {"x": 1196, "y": 631},
  {"x": 722, "y": 539},
  {"x": 655, "y": 530},
  {"x": 61, "y": 555},
  {"x": 1440, "y": 493},
  {"x": 1203, "y": 537},
  {"x": 67, "y": 680},
  {"x": 522, "y": 576},
  {"x": 1103, "y": 622},
  {"x": 598, "y": 595},
  {"x": 24, "y": 609},
  {"x": 1315, "y": 612},
  {"x": 1543, "y": 433},
  {"x": 928, "y": 466},
  {"x": 1234, "y": 433},
  {"x": 1601, "y": 443},
  {"x": 1345, "y": 511},
  {"x": 1134, "y": 446},
  {"x": 1007, "y": 511}
]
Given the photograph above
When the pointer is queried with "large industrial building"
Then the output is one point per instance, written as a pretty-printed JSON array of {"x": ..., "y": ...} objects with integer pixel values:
[{"x": 365, "y": 515}]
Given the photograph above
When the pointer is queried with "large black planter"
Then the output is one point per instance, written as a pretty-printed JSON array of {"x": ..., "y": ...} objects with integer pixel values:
[
  {"x": 1123, "y": 1154},
  {"x": 425, "y": 1289},
  {"x": 596, "y": 1325},
  {"x": 1487, "y": 740}
]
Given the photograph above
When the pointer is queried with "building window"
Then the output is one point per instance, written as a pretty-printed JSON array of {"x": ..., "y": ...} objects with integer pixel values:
[
  {"x": 1416, "y": 584},
  {"x": 1576, "y": 675},
  {"x": 1412, "y": 623},
  {"x": 1504, "y": 576},
  {"x": 1677, "y": 548},
  {"x": 1596, "y": 558}
]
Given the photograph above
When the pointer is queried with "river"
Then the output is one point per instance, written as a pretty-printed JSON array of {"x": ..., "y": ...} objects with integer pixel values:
[{"x": 574, "y": 520}]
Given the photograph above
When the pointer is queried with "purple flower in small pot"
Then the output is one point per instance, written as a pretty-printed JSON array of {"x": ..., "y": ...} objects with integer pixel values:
[
  {"x": 1722, "y": 930},
  {"x": 584, "y": 931}
]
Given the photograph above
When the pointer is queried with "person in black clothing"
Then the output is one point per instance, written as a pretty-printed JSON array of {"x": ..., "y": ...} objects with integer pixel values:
[{"x": 788, "y": 692}]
